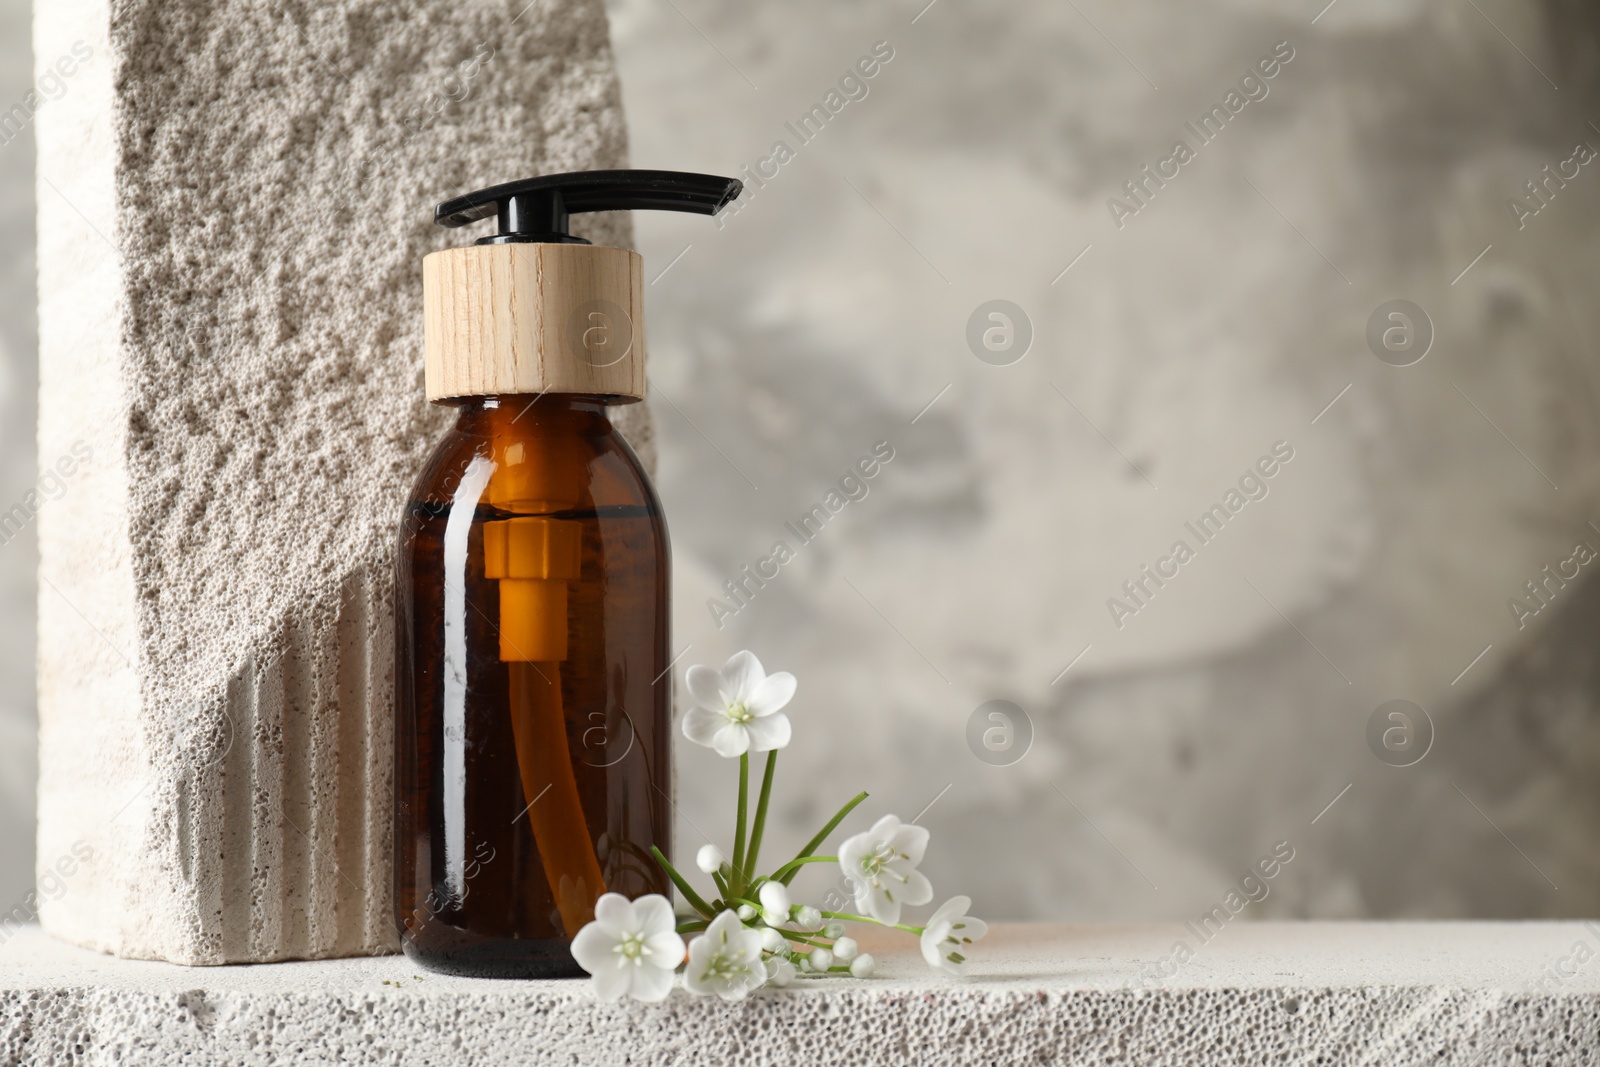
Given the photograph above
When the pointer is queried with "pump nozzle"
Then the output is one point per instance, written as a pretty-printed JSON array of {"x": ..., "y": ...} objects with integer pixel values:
[
  {"x": 538, "y": 209},
  {"x": 536, "y": 310}
]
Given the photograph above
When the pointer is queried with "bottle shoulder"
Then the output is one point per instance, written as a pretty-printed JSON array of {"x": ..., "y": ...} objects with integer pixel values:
[{"x": 543, "y": 465}]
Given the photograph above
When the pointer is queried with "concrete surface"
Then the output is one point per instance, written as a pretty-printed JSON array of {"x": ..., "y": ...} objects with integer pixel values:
[
  {"x": 234, "y": 203},
  {"x": 1361, "y": 993}
]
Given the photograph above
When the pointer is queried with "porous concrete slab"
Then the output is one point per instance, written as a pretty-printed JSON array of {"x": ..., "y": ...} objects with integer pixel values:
[
  {"x": 234, "y": 203},
  {"x": 1359, "y": 993}
]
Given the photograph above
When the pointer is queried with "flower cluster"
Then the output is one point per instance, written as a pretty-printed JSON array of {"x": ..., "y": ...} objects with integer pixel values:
[{"x": 751, "y": 933}]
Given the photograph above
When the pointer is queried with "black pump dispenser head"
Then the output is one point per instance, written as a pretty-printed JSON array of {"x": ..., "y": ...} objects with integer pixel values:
[{"x": 539, "y": 209}]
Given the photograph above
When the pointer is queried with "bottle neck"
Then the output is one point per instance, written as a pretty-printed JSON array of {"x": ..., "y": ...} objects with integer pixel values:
[{"x": 532, "y": 414}]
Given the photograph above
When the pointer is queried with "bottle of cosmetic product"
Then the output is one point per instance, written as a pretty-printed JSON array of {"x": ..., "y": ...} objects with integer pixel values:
[{"x": 532, "y": 686}]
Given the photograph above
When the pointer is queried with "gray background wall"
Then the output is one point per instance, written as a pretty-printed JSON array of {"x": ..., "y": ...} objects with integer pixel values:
[{"x": 1227, "y": 314}]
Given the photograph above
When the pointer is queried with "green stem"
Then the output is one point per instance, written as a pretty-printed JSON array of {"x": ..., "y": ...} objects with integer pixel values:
[
  {"x": 684, "y": 887},
  {"x": 822, "y": 835},
  {"x": 722, "y": 886},
  {"x": 795, "y": 864},
  {"x": 737, "y": 879},
  {"x": 869, "y": 919},
  {"x": 692, "y": 925},
  {"x": 760, "y": 824},
  {"x": 798, "y": 939}
]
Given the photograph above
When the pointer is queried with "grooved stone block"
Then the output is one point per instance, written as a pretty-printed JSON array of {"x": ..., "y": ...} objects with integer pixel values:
[
  {"x": 1398, "y": 995},
  {"x": 234, "y": 203}
]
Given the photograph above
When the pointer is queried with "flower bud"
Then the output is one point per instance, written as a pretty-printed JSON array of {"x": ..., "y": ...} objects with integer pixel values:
[
  {"x": 780, "y": 972},
  {"x": 745, "y": 913},
  {"x": 844, "y": 949},
  {"x": 821, "y": 959},
  {"x": 709, "y": 859},
  {"x": 774, "y": 897},
  {"x": 833, "y": 930},
  {"x": 808, "y": 917},
  {"x": 861, "y": 966},
  {"x": 772, "y": 941}
]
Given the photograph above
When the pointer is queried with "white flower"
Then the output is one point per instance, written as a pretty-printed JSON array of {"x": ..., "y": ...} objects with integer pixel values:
[
  {"x": 709, "y": 859},
  {"x": 780, "y": 971},
  {"x": 844, "y": 949},
  {"x": 725, "y": 960},
  {"x": 774, "y": 897},
  {"x": 861, "y": 966},
  {"x": 949, "y": 932},
  {"x": 737, "y": 708},
  {"x": 880, "y": 868},
  {"x": 632, "y": 947}
]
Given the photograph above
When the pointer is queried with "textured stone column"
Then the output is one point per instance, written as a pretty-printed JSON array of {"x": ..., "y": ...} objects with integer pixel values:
[{"x": 234, "y": 202}]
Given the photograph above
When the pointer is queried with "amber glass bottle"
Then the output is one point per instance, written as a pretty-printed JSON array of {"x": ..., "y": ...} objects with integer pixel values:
[
  {"x": 533, "y": 703},
  {"x": 533, "y": 714}
]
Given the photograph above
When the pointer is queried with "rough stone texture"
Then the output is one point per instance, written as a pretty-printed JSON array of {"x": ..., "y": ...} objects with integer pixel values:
[
  {"x": 234, "y": 202},
  {"x": 1435, "y": 994}
]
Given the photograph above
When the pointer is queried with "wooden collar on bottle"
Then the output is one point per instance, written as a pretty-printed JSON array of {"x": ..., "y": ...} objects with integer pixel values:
[{"x": 533, "y": 318}]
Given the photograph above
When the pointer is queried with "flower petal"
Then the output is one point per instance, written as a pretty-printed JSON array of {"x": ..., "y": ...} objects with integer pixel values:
[
  {"x": 651, "y": 984},
  {"x": 854, "y": 849},
  {"x": 593, "y": 948},
  {"x": 697, "y": 975},
  {"x": 772, "y": 694},
  {"x": 882, "y": 906},
  {"x": 769, "y": 733},
  {"x": 613, "y": 984},
  {"x": 700, "y": 725},
  {"x": 738, "y": 986},
  {"x": 615, "y": 915},
  {"x": 652, "y": 915},
  {"x": 864, "y": 895},
  {"x": 916, "y": 890},
  {"x": 913, "y": 841},
  {"x": 950, "y": 910},
  {"x": 705, "y": 685},
  {"x": 731, "y": 740},
  {"x": 725, "y": 926},
  {"x": 666, "y": 950},
  {"x": 885, "y": 828},
  {"x": 741, "y": 677}
]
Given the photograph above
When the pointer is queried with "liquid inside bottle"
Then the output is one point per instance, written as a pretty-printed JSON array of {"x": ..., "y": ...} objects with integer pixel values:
[{"x": 533, "y": 698}]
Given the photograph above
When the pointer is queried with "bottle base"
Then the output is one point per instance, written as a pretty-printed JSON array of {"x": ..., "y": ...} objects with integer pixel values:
[{"x": 509, "y": 958}]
